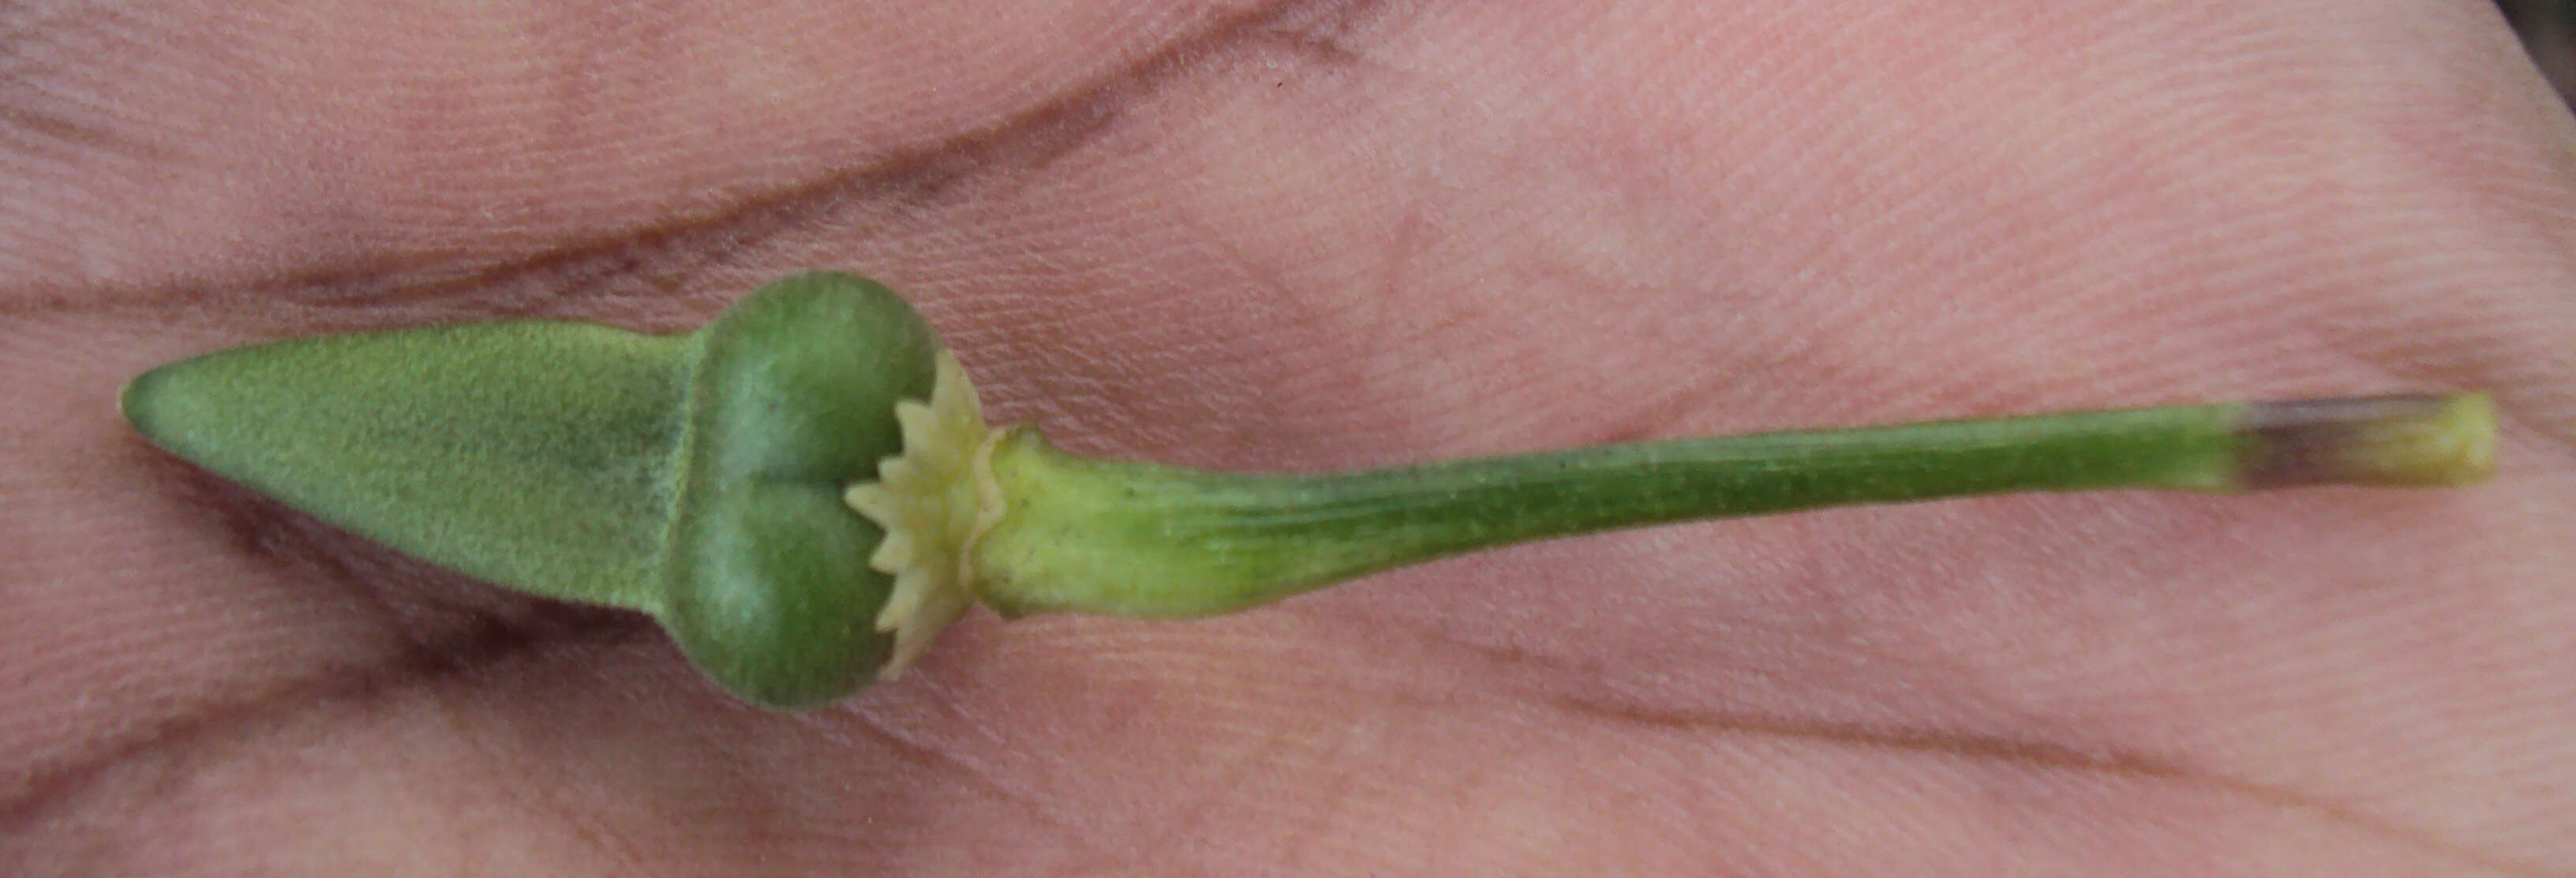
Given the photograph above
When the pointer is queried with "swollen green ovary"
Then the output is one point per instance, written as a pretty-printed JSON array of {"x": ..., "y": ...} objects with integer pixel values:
[
  {"x": 766, "y": 584},
  {"x": 764, "y": 604}
]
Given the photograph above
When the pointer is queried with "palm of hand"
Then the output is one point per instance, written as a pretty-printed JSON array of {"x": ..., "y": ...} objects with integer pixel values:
[{"x": 1322, "y": 236}]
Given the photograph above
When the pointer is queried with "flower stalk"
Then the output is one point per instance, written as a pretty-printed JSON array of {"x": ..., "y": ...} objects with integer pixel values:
[{"x": 1134, "y": 539}]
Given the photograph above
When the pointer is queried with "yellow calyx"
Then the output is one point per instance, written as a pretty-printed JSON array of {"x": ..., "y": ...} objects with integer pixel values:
[{"x": 931, "y": 506}]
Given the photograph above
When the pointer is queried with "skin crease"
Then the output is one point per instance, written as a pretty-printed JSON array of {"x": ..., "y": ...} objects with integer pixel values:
[{"x": 1313, "y": 235}]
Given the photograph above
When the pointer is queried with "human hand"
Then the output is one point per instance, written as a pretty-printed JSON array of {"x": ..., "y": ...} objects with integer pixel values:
[{"x": 1319, "y": 236}]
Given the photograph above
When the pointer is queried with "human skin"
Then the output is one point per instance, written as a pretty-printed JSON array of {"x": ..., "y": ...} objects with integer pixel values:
[{"x": 1319, "y": 235}]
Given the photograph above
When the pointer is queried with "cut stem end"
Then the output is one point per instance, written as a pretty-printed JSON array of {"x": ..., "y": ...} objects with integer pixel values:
[{"x": 2412, "y": 440}]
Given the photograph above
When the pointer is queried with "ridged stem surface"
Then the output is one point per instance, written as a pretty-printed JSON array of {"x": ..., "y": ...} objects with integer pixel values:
[{"x": 1146, "y": 540}]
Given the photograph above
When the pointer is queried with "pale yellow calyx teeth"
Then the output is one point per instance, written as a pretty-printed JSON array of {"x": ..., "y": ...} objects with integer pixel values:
[{"x": 930, "y": 506}]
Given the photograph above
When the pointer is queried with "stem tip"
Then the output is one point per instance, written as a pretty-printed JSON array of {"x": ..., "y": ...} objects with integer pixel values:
[{"x": 2404, "y": 440}]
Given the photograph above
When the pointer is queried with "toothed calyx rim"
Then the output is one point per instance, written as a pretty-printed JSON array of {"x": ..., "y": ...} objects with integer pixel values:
[{"x": 929, "y": 501}]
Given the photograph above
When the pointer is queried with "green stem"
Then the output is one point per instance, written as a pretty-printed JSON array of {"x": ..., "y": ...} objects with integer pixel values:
[{"x": 1143, "y": 540}]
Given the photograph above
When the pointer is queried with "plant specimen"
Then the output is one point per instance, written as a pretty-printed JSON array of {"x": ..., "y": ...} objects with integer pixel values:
[{"x": 804, "y": 491}]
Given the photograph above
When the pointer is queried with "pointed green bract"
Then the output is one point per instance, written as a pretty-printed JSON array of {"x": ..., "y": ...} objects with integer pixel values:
[
  {"x": 696, "y": 477},
  {"x": 537, "y": 455}
]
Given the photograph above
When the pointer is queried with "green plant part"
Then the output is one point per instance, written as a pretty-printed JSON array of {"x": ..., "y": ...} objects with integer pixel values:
[
  {"x": 694, "y": 477},
  {"x": 804, "y": 492}
]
